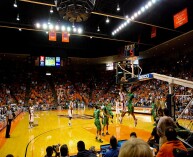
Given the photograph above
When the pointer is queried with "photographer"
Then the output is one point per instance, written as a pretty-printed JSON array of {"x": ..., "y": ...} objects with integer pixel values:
[
  {"x": 51, "y": 149},
  {"x": 82, "y": 152},
  {"x": 64, "y": 151}
]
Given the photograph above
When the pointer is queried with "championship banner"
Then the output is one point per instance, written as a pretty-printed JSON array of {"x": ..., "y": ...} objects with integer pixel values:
[
  {"x": 52, "y": 35},
  {"x": 181, "y": 18},
  {"x": 153, "y": 32},
  {"x": 65, "y": 37}
]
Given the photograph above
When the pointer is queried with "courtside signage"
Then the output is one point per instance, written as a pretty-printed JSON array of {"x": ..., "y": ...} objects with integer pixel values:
[{"x": 146, "y": 76}]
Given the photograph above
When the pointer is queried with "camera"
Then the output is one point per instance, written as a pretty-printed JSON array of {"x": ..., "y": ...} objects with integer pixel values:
[{"x": 56, "y": 147}]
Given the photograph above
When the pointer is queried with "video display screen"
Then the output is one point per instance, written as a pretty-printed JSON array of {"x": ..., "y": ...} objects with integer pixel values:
[
  {"x": 57, "y": 61},
  {"x": 49, "y": 61},
  {"x": 42, "y": 60},
  {"x": 109, "y": 66}
]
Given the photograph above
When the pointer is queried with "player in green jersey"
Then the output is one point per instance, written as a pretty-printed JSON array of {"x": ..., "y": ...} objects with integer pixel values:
[
  {"x": 130, "y": 106},
  {"x": 97, "y": 122},
  {"x": 105, "y": 120},
  {"x": 109, "y": 110}
]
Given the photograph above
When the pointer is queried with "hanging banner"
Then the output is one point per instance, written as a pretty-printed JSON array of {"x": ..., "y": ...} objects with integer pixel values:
[
  {"x": 181, "y": 18},
  {"x": 52, "y": 35},
  {"x": 65, "y": 37},
  {"x": 153, "y": 32}
]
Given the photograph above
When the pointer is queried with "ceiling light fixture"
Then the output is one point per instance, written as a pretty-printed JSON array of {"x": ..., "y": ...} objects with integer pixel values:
[
  {"x": 17, "y": 17},
  {"x": 68, "y": 29},
  {"x": 58, "y": 28},
  {"x": 74, "y": 30},
  {"x": 51, "y": 10},
  {"x": 63, "y": 28},
  {"x": 45, "y": 26},
  {"x": 15, "y": 4},
  {"x": 51, "y": 27},
  {"x": 98, "y": 29},
  {"x": 38, "y": 25},
  {"x": 79, "y": 30},
  {"x": 73, "y": 25},
  {"x": 75, "y": 11},
  {"x": 49, "y": 21},
  {"x": 118, "y": 7},
  {"x": 135, "y": 15},
  {"x": 107, "y": 20}
]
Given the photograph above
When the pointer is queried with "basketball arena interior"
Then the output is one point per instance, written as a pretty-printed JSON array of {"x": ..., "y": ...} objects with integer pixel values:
[{"x": 87, "y": 78}]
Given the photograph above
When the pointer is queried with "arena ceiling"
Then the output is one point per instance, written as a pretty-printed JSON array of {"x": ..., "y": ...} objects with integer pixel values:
[{"x": 93, "y": 43}]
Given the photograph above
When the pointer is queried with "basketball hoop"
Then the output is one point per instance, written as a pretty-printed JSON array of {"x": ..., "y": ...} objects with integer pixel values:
[{"x": 132, "y": 58}]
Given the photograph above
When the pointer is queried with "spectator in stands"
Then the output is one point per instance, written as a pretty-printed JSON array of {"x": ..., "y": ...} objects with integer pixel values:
[
  {"x": 133, "y": 135},
  {"x": 114, "y": 151},
  {"x": 167, "y": 148},
  {"x": 49, "y": 151},
  {"x": 163, "y": 123},
  {"x": 135, "y": 148},
  {"x": 153, "y": 140},
  {"x": 9, "y": 155},
  {"x": 93, "y": 150},
  {"x": 153, "y": 111},
  {"x": 64, "y": 151},
  {"x": 82, "y": 152}
]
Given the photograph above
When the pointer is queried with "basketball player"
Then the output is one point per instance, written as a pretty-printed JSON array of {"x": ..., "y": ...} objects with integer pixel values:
[
  {"x": 97, "y": 123},
  {"x": 109, "y": 110},
  {"x": 122, "y": 95},
  {"x": 153, "y": 111},
  {"x": 117, "y": 109},
  {"x": 70, "y": 112},
  {"x": 105, "y": 120},
  {"x": 31, "y": 116},
  {"x": 130, "y": 97}
]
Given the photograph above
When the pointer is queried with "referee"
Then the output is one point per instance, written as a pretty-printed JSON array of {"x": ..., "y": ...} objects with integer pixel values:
[{"x": 9, "y": 118}]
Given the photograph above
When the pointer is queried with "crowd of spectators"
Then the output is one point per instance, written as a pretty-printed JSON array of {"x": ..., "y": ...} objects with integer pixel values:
[{"x": 87, "y": 88}]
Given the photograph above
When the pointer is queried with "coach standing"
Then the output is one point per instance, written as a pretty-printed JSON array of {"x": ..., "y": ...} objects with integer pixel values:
[{"x": 9, "y": 117}]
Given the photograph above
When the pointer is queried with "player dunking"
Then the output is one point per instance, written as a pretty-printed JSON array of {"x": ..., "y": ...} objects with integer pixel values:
[
  {"x": 70, "y": 112},
  {"x": 130, "y": 97}
]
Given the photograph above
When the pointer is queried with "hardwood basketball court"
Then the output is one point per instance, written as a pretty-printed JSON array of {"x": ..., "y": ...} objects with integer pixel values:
[{"x": 52, "y": 128}]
